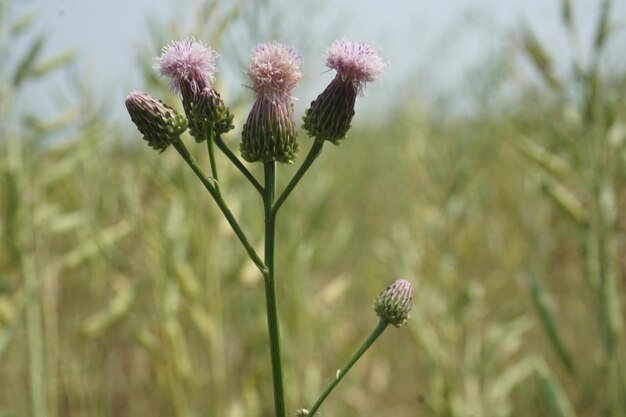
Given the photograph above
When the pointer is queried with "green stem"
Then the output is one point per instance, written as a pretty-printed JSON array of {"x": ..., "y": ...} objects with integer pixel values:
[
  {"x": 270, "y": 289},
  {"x": 230, "y": 155},
  {"x": 182, "y": 150},
  {"x": 380, "y": 328},
  {"x": 315, "y": 151},
  {"x": 209, "y": 145}
]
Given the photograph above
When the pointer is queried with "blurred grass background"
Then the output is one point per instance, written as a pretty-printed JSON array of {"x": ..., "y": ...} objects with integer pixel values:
[{"x": 123, "y": 292}]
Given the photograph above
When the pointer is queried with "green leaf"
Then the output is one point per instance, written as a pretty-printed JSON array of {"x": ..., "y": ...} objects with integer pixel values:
[
  {"x": 23, "y": 23},
  {"x": 558, "y": 402},
  {"x": 27, "y": 63},
  {"x": 53, "y": 63},
  {"x": 540, "y": 300}
]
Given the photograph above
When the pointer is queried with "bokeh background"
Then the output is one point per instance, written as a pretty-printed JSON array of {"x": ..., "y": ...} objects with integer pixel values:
[{"x": 487, "y": 166}]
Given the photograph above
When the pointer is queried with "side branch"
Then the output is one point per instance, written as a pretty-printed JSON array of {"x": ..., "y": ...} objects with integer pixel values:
[{"x": 211, "y": 188}]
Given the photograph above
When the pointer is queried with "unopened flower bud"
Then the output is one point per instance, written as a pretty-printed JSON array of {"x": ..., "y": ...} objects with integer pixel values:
[
  {"x": 394, "y": 304},
  {"x": 269, "y": 133},
  {"x": 160, "y": 124},
  {"x": 330, "y": 115},
  {"x": 207, "y": 114}
]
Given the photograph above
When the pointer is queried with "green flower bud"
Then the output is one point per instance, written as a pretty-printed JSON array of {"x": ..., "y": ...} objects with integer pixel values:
[
  {"x": 394, "y": 304},
  {"x": 160, "y": 124},
  {"x": 207, "y": 114},
  {"x": 269, "y": 134},
  {"x": 330, "y": 114}
]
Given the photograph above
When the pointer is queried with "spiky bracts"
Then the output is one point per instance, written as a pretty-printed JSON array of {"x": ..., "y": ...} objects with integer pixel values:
[
  {"x": 394, "y": 304},
  {"x": 160, "y": 124}
]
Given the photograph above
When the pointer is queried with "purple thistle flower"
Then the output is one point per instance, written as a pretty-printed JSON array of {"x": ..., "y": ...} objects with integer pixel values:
[
  {"x": 394, "y": 304},
  {"x": 355, "y": 62},
  {"x": 274, "y": 70},
  {"x": 189, "y": 64},
  {"x": 269, "y": 133},
  {"x": 331, "y": 113},
  {"x": 160, "y": 124}
]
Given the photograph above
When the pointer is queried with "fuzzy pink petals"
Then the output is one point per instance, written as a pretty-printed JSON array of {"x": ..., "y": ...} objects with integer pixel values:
[
  {"x": 188, "y": 64},
  {"x": 356, "y": 62},
  {"x": 274, "y": 69}
]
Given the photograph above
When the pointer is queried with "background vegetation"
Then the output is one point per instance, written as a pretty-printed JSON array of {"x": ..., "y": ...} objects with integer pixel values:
[{"x": 123, "y": 292}]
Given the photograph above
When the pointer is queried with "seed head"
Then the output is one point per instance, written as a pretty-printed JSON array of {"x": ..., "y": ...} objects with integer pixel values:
[
  {"x": 269, "y": 133},
  {"x": 330, "y": 114},
  {"x": 394, "y": 304},
  {"x": 160, "y": 124},
  {"x": 189, "y": 64}
]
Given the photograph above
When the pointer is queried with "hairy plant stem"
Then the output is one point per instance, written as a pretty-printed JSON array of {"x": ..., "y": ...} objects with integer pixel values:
[
  {"x": 217, "y": 196},
  {"x": 233, "y": 158},
  {"x": 380, "y": 328},
  {"x": 314, "y": 152},
  {"x": 270, "y": 289}
]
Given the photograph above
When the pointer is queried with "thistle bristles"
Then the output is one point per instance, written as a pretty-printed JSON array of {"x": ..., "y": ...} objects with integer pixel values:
[
  {"x": 189, "y": 64},
  {"x": 274, "y": 70},
  {"x": 330, "y": 114},
  {"x": 160, "y": 124},
  {"x": 355, "y": 62},
  {"x": 394, "y": 304},
  {"x": 270, "y": 133}
]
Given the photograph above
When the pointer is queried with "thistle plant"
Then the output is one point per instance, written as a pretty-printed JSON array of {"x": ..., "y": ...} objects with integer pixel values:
[{"x": 269, "y": 135}]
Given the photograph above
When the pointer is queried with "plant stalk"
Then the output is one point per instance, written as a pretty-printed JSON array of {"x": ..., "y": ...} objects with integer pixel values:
[
  {"x": 217, "y": 196},
  {"x": 314, "y": 152},
  {"x": 380, "y": 328},
  {"x": 270, "y": 289},
  {"x": 211, "y": 150},
  {"x": 233, "y": 158}
]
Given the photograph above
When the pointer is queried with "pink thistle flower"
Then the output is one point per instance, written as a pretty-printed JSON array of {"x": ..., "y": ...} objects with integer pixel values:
[
  {"x": 189, "y": 64},
  {"x": 356, "y": 62},
  {"x": 269, "y": 133},
  {"x": 274, "y": 70},
  {"x": 331, "y": 113}
]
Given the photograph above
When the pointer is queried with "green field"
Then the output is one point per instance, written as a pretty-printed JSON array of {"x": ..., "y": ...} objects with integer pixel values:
[{"x": 123, "y": 292}]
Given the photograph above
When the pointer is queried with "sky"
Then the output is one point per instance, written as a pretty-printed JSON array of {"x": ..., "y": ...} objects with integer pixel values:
[{"x": 435, "y": 41}]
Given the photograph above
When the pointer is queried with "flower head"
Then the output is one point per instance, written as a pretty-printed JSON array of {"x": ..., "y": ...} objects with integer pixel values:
[
  {"x": 160, "y": 124},
  {"x": 269, "y": 133},
  {"x": 356, "y": 62},
  {"x": 207, "y": 114},
  {"x": 274, "y": 69},
  {"x": 189, "y": 64},
  {"x": 394, "y": 304},
  {"x": 330, "y": 114}
]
